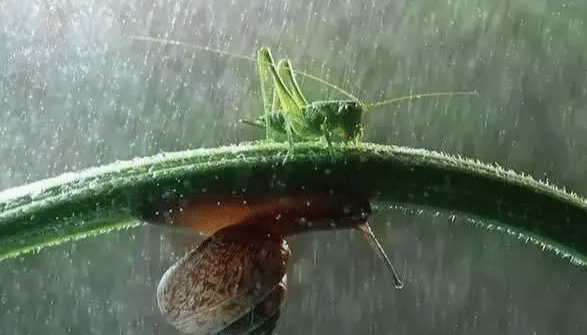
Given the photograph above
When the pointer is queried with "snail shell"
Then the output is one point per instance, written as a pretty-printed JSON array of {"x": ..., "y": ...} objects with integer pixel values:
[
  {"x": 241, "y": 268},
  {"x": 221, "y": 280}
]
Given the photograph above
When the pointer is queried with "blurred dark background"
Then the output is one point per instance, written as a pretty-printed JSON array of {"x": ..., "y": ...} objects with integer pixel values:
[{"x": 76, "y": 90}]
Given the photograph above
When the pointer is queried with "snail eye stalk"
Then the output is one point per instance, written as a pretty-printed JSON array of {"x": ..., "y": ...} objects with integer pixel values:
[{"x": 372, "y": 239}]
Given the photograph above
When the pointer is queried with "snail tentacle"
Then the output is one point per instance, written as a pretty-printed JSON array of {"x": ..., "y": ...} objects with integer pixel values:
[{"x": 365, "y": 228}]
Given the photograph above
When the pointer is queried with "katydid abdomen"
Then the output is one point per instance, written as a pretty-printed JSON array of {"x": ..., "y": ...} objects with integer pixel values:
[{"x": 321, "y": 118}]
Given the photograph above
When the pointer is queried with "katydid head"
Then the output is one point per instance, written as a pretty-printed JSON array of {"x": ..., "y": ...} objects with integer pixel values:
[{"x": 350, "y": 115}]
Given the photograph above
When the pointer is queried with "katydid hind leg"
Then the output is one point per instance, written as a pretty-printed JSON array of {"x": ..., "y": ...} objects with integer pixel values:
[
  {"x": 286, "y": 73},
  {"x": 292, "y": 106},
  {"x": 264, "y": 64},
  {"x": 286, "y": 101}
]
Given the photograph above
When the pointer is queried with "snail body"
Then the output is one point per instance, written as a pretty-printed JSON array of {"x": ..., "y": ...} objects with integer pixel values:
[
  {"x": 208, "y": 213},
  {"x": 241, "y": 268}
]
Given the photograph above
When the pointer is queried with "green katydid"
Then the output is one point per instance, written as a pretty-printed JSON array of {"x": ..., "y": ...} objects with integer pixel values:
[{"x": 286, "y": 110}]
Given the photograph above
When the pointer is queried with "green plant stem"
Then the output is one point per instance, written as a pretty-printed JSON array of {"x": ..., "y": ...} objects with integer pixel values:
[{"x": 105, "y": 198}]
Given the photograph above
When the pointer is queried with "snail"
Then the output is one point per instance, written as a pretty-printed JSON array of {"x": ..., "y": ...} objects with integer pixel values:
[{"x": 238, "y": 274}]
